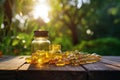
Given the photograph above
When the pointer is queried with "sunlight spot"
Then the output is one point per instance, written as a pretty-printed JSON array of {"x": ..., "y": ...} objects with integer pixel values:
[
  {"x": 79, "y": 4},
  {"x": 86, "y": 1},
  {"x": 23, "y": 41},
  {"x": 41, "y": 10},
  {"x": 2, "y": 26},
  {"x": 22, "y": 20},
  {"x": 89, "y": 32},
  {"x": 25, "y": 46}
]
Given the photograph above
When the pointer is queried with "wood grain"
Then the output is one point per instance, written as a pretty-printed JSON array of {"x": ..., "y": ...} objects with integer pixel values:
[
  {"x": 15, "y": 68},
  {"x": 12, "y": 63},
  {"x": 52, "y": 72},
  {"x": 112, "y": 58},
  {"x": 9, "y": 66},
  {"x": 102, "y": 71}
]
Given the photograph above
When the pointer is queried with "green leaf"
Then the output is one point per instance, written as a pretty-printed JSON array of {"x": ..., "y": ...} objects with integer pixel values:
[
  {"x": 15, "y": 42},
  {"x": 113, "y": 11}
]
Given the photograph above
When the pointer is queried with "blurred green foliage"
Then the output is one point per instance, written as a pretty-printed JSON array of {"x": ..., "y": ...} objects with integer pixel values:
[
  {"x": 102, "y": 46},
  {"x": 85, "y": 25}
]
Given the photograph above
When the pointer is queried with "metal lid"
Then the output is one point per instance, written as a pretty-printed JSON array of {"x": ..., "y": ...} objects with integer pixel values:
[{"x": 41, "y": 33}]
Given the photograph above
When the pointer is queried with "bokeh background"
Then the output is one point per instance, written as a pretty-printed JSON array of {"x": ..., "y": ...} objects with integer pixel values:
[{"x": 91, "y": 26}]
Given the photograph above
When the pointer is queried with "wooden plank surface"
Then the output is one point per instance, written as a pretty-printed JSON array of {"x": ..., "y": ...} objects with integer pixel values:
[
  {"x": 9, "y": 66},
  {"x": 52, "y": 72},
  {"x": 11, "y": 62},
  {"x": 51, "y": 75},
  {"x": 103, "y": 70},
  {"x": 15, "y": 68},
  {"x": 51, "y": 67},
  {"x": 112, "y": 58},
  {"x": 8, "y": 75}
]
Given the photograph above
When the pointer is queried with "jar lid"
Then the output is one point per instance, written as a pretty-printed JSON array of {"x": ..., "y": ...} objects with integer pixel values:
[{"x": 41, "y": 33}]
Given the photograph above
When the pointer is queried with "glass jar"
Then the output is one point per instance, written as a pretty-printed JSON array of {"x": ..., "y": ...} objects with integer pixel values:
[{"x": 41, "y": 41}]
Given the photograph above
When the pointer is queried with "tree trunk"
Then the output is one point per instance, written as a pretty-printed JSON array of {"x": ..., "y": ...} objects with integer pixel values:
[
  {"x": 73, "y": 29},
  {"x": 7, "y": 14}
]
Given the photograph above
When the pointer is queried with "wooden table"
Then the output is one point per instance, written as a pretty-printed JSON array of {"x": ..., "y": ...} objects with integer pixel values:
[{"x": 15, "y": 68}]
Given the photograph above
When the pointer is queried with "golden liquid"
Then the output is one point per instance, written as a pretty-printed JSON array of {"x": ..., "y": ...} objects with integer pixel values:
[{"x": 60, "y": 59}]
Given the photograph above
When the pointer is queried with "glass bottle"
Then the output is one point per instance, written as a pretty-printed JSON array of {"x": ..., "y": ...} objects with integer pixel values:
[{"x": 41, "y": 41}]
